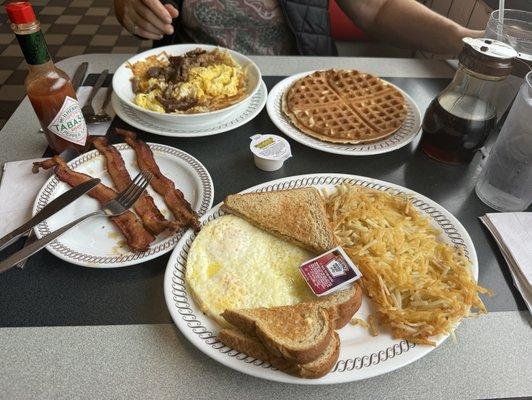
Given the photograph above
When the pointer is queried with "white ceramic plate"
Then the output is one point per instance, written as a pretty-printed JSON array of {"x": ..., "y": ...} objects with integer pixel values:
[
  {"x": 123, "y": 89},
  {"x": 362, "y": 356},
  {"x": 402, "y": 137},
  {"x": 97, "y": 242},
  {"x": 242, "y": 114}
]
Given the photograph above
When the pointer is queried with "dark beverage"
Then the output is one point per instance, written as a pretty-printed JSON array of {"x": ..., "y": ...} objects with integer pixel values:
[{"x": 455, "y": 138}]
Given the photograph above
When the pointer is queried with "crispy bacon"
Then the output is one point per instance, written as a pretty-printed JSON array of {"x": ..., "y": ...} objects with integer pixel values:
[
  {"x": 145, "y": 207},
  {"x": 173, "y": 197},
  {"x": 138, "y": 238}
]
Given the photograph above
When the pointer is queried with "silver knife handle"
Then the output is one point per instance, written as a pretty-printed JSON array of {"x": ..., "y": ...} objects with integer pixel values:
[
  {"x": 97, "y": 85},
  {"x": 11, "y": 237},
  {"x": 80, "y": 73},
  {"x": 39, "y": 244}
]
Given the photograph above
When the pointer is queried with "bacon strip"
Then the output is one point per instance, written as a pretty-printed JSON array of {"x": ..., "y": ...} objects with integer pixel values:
[
  {"x": 173, "y": 197},
  {"x": 145, "y": 207},
  {"x": 138, "y": 238}
]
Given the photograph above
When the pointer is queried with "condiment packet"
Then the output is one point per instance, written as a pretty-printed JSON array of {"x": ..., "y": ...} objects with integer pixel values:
[
  {"x": 269, "y": 151},
  {"x": 329, "y": 272}
]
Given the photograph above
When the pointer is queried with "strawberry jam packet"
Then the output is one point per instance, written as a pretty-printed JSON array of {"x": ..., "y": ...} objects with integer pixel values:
[{"x": 329, "y": 272}]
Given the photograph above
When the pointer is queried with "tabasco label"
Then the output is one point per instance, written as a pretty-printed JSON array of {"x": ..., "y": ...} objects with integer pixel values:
[{"x": 69, "y": 122}]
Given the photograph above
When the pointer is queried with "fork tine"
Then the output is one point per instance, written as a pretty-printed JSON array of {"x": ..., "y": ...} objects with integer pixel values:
[
  {"x": 130, "y": 188},
  {"x": 131, "y": 198},
  {"x": 130, "y": 201}
]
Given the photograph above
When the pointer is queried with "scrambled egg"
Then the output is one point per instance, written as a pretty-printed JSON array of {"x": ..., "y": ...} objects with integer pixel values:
[
  {"x": 214, "y": 82},
  {"x": 217, "y": 80},
  {"x": 232, "y": 264},
  {"x": 149, "y": 101}
]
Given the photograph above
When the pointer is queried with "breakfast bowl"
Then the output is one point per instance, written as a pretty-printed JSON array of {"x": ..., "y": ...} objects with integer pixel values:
[{"x": 123, "y": 86}]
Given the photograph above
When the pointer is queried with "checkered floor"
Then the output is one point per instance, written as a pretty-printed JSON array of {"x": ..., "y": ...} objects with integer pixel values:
[{"x": 71, "y": 27}]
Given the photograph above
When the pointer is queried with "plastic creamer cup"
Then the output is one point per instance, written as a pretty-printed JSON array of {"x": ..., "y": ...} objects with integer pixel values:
[{"x": 269, "y": 151}]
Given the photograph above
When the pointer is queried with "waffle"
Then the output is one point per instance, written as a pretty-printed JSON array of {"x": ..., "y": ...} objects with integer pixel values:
[{"x": 344, "y": 106}]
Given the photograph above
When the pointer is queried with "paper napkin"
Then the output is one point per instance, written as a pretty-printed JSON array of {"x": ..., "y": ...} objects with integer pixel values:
[
  {"x": 513, "y": 234},
  {"x": 18, "y": 189},
  {"x": 82, "y": 94}
]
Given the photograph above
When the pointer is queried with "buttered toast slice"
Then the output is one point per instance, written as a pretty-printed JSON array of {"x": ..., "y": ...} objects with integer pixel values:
[
  {"x": 298, "y": 333},
  {"x": 295, "y": 215},
  {"x": 254, "y": 348}
]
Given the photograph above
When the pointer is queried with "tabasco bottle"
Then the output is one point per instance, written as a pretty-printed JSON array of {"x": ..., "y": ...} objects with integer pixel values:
[{"x": 49, "y": 89}]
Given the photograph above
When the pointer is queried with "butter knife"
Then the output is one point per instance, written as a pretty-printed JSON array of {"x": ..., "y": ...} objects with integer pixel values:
[
  {"x": 49, "y": 210},
  {"x": 79, "y": 75},
  {"x": 68, "y": 155}
]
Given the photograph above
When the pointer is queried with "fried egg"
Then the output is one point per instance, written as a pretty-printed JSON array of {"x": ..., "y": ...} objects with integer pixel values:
[{"x": 233, "y": 264}]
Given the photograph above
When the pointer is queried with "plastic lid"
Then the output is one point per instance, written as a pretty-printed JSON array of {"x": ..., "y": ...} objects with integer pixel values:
[
  {"x": 20, "y": 12},
  {"x": 270, "y": 147},
  {"x": 487, "y": 56}
]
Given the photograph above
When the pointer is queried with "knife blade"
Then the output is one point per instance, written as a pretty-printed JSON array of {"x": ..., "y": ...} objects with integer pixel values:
[
  {"x": 77, "y": 79},
  {"x": 49, "y": 210},
  {"x": 68, "y": 155}
]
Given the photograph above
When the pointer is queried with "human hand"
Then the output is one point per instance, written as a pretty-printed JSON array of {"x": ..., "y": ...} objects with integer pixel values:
[{"x": 149, "y": 19}]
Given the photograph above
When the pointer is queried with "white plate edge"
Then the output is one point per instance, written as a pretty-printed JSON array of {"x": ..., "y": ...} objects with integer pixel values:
[
  {"x": 274, "y": 117},
  {"x": 136, "y": 260},
  {"x": 277, "y": 376},
  {"x": 215, "y": 130}
]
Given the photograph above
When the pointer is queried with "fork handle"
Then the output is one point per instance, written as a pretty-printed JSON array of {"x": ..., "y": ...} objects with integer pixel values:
[
  {"x": 97, "y": 86},
  {"x": 39, "y": 244},
  {"x": 107, "y": 99}
]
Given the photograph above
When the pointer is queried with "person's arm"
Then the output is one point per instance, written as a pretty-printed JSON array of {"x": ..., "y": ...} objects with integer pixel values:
[
  {"x": 149, "y": 19},
  {"x": 407, "y": 23}
]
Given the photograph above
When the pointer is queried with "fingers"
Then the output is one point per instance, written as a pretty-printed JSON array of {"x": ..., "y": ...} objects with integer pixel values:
[
  {"x": 139, "y": 27},
  {"x": 172, "y": 10},
  {"x": 148, "y": 35},
  {"x": 150, "y": 19},
  {"x": 159, "y": 10},
  {"x": 160, "y": 26}
]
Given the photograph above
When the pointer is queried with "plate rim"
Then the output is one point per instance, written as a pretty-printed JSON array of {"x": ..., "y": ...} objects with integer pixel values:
[
  {"x": 334, "y": 148},
  {"x": 104, "y": 262},
  {"x": 198, "y": 335},
  {"x": 179, "y": 49},
  {"x": 211, "y": 130}
]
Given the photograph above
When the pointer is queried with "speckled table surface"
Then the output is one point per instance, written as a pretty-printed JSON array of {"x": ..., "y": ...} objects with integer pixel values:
[{"x": 59, "y": 345}]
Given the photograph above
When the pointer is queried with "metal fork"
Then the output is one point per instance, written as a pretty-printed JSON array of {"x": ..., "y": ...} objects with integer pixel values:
[
  {"x": 119, "y": 205},
  {"x": 102, "y": 116},
  {"x": 88, "y": 110}
]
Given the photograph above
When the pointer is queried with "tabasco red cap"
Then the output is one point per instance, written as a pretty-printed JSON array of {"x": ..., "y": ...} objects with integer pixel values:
[{"x": 20, "y": 12}]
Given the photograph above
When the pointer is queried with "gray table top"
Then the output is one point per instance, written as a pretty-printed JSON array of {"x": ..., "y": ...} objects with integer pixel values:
[{"x": 491, "y": 359}]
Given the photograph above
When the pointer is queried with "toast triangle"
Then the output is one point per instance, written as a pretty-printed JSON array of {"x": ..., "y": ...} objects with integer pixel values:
[
  {"x": 299, "y": 333},
  {"x": 295, "y": 215}
]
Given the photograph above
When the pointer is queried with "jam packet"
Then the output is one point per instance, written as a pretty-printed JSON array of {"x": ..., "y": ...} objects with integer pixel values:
[{"x": 329, "y": 272}]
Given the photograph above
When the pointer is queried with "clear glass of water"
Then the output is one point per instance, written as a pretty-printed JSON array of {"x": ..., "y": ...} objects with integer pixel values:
[
  {"x": 516, "y": 30},
  {"x": 505, "y": 182}
]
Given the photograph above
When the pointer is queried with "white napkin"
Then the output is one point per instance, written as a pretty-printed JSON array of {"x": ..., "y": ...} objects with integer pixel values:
[
  {"x": 18, "y": 189},
  {"x": 82, "y": 94},
  {"x": 513, "y": 234}
]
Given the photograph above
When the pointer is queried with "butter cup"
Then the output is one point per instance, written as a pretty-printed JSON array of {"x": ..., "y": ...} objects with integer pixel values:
[{"x": 269, "y": 151}]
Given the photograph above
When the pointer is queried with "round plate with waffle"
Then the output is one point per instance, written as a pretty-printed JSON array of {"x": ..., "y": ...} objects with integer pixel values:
[{"x": 344, "y": 112}]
